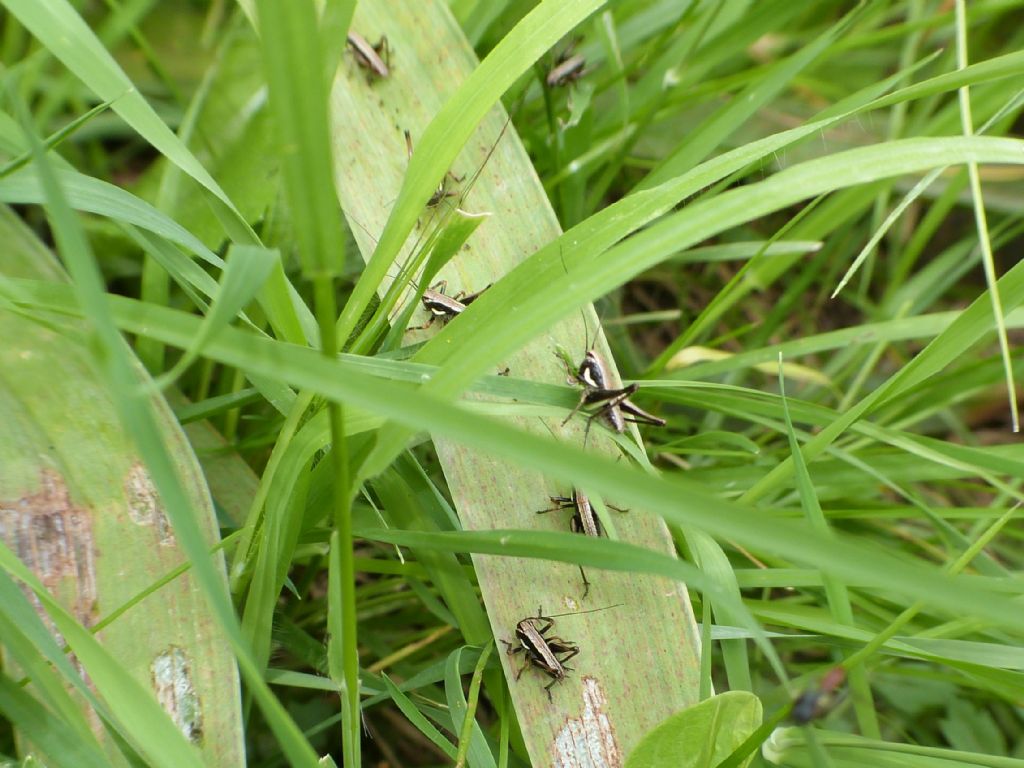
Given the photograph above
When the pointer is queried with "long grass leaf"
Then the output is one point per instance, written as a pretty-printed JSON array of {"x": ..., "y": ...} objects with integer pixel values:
[{"x": 139, "y": 421}]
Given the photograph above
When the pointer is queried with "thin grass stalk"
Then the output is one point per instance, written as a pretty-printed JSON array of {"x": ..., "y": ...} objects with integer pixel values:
[
  {"x": 294, "y": 65},
  {"x": 987, "y": 260}
]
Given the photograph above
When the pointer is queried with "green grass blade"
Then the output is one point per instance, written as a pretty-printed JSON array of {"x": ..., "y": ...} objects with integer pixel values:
[
  {"x": 678, "y": 501},
  {"x": 59, "y": 744},
  {"x": 247, "y": 269},
  {"x": 472, "y": 744},
  {"x": 137, "y": 417},
  {"x": 702, "y": 141},
  {"x": 59, "y": 27},
  {"x": 294, "y": 63},
  {"x": 981, "y": 220},
  {"x": 417, "y": 719},
  {"x": 835, "y": 590}
]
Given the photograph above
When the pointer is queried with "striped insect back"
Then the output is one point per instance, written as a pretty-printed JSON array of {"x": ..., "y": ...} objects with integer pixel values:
[
  {"x": 584, "y": 520},
  {"x": 611, "y": 404},
  {"x": 542, "y": 650},
  {"x": 567, "y": 68},
  {"x": 547, "y": 653},
  {"x": 374, "y": 59},
  {"x": 443, "y": 307}
]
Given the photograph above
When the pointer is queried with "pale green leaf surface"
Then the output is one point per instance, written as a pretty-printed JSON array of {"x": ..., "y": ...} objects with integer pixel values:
[
  {"x": 452, "y": 126},
  {"x": 139, "y": 419},
  {"x": 84, "y": 462},
  {"x": 489, "y": 493}
]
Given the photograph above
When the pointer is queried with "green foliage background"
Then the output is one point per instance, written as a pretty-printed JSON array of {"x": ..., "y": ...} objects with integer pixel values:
[{"x": 800, "y": 223}]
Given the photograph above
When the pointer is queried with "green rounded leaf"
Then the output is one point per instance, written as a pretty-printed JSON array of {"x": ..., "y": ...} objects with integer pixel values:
[{"x": 700, "y": 736}]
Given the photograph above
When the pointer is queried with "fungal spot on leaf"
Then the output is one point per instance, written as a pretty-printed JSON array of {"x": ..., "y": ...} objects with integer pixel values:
[
  {"x": 144, "y": 505},
  {"x": 172, "y": 682},
  {"x": 54, "y": 538},
  {"x": 588, "y": 740}
]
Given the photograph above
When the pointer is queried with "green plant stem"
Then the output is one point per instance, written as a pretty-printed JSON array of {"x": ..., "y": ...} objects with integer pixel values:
[
  {"x": 471, "y": 703},
  {"x": 343, "y": 571}
]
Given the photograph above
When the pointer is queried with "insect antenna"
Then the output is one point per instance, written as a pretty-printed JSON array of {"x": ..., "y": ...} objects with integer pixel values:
[{"x": 580, "y": 613}]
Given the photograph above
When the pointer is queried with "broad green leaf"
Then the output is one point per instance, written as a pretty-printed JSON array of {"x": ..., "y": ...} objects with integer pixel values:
[
  {"x": 66, "y": 455},
  {"x": 488, "y": 492},
  {"x": 700, "y": 736},
  {"x": 139, "y": 419}
]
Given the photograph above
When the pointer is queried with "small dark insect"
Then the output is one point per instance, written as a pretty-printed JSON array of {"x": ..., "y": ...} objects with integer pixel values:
[
  {"x": 442, "y": 190},
  {"x": 584, "y": 520},
  {"x": 612, "y": 403},
  {"x": 548, "y": 654},
  {"x": 815, "y": 702},
  {"x": 442, "y": 306},
  {"x": 375, "y": 59},
  {"x": 568, "y": 69}
]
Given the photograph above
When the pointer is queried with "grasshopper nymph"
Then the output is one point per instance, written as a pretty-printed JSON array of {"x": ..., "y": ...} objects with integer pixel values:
[
  {"x": 373, "y": 58},
  {"x": 584, "y": 520},
  {"x": 547, "y": 653}
]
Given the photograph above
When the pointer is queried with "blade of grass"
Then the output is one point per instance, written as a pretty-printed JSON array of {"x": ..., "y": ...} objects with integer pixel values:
[
  {"x": 967, "y": 124},
  {"x": 677, "y": 500},
  {"x": 423, "y": 725},
  {"x": 294, "y": 65},
  {"x": 472, "y": 744},
  {"x": 836, "y": 592},
  {"x": 139, "y": 421},
  {"x": 51, "y": 736},
  {"x": 466, "y": 733},
  {"x": 247, "y": 269}
]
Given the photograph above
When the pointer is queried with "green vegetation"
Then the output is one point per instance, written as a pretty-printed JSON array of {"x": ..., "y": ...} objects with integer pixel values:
[{"x": 798, "y": 222}]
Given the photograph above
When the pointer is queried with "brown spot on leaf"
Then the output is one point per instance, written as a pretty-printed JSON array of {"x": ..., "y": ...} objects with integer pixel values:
[
  {"x": 172, "y": 682},
  {"x": 54, "y": 538},
  {"x": 144, "y": 506},
  {"x": 588, "y": 740}
]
